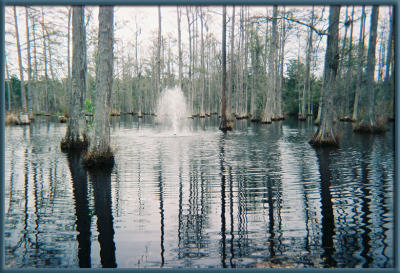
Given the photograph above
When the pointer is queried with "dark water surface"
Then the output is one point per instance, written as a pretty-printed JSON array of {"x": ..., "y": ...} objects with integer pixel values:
[{"x": 259, "y": 196}]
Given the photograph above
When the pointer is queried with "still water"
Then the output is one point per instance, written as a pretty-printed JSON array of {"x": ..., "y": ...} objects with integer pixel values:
[{"x": 259, "y": 196}]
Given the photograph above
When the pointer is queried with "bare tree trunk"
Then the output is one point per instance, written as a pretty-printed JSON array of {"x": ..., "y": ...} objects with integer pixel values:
[
  {"x": 325, "y": 135},
  {"x": 389, "y": 64},
  {"x": 69, "y": 50},
  {"x": 229, "y": 115},
  {"x": 28, "y": 53},
  {"x": 307, "y": 81},
  {"x": 179, "y": 16},
  {"x": 246, "y": 70},
  {"x": 21, "y": 70},
  {"x": 75, "y": 138},
  {"x": 349, "y": 71},
  {"x": 203, "y": 79},
  {"x": 224, "y": 125},
  {"x": 9, "y": 89},
  {"x": 36, "y": 101},
  {"x": 361, "y": 64},
  {"x": 158, "y": 66},
  {"x": 268, "y": 112},
  {"x": 279, "y": 113},
  {"x": 100, "y": 153},
  {"x": 46, "y": 77},
  {"x": 190, "y": 61},
  {"x": 367, "y": 123}
]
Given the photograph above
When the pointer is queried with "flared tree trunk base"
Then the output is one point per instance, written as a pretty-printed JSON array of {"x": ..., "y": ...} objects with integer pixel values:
[
  {"x": 368, "y": 128},
  {"x": 226, "y": 126},
  {"x": 70, "y": 144},
  {"x": 325, "y": 139},
  {"x": 98, "y": 160},
  {"x": 324, "y": 142}
]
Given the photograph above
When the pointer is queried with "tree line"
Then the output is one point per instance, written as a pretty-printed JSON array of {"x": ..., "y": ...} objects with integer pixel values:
[{"x": 247, "y": 63}]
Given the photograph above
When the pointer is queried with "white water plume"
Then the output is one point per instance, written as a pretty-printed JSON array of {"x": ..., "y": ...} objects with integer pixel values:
[{"x": 172, "y": 111}]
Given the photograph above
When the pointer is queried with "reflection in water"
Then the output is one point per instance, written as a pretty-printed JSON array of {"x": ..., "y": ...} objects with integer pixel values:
[
  {"x": 82, "y": 212},
  {"x": 223, "y": 182},
  {"x": 161, "y": 193},
  {"x": 101, "y": 181},
  {"x": 259, "y": 196},
  {"x": 328, "y": 220}
]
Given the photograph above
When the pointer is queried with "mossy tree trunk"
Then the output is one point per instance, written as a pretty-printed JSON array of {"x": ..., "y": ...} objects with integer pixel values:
[
  {"x": 367, "y": 122},
  {"x": 325, "y": 135},
  {"x": 100, "y": 153},
  {"x": 75, "y": 137}
]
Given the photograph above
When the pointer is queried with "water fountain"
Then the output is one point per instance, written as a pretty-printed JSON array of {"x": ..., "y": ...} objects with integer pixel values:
[{"x": 172, "y": 111}]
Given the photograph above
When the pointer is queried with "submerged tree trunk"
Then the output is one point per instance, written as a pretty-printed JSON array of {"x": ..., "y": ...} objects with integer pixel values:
[
  {"x": 75, "y": 137},
  {"x": 100, "y": 153},
  {"x": 325, "y": 135},
  {"x": 367, "y": 123},
  {"x": 224, "y": 125}
]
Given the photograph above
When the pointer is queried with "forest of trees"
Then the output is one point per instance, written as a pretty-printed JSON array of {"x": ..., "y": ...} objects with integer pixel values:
[{"x": 266, "y": 66}]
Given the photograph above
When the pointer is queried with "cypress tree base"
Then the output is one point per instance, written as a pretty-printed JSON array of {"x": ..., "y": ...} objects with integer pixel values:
[
  {"x": 324, "y": 142},
  {"x": 266, "y": 121},
  {"x": 226, "y": 126},
  {"x": 70, "y": 144},
  {"x": 326, "y": 139},
  {"x": 94, "y": 160},
  {"x": 370, "y": 129}
]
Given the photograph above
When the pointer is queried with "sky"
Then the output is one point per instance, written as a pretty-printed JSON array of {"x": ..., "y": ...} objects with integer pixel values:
[{"x": 146, "y": 18}]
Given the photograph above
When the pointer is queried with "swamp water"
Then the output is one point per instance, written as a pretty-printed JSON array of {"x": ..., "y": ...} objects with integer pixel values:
[{"x": 259, "y": 196}]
